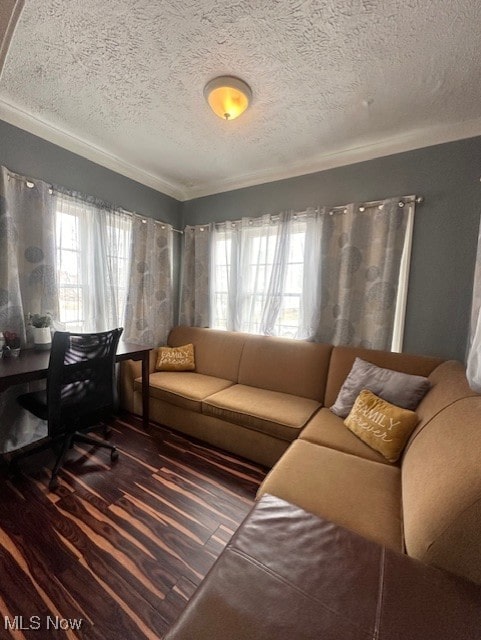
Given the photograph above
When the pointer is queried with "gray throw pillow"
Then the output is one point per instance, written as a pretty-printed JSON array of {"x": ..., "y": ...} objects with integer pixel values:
[{"x": 398, "y": 388}]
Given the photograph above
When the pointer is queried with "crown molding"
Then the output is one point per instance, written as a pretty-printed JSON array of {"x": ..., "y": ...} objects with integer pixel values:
[
  {"x": 417, "y": 139},
  {"x": 24, "y": 120}
]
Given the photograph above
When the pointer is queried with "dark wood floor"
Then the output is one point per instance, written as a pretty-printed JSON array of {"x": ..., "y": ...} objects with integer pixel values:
[{"x": 122, "y": 549}]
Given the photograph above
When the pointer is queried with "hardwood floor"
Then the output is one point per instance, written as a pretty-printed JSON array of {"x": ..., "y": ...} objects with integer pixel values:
[{"x": 118, "y": 549}]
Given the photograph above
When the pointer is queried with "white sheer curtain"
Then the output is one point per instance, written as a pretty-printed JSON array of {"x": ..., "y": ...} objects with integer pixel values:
[
  {"x": 258, "y": 271},
  {"x": 473, "y": 369},
  {"x": 149, "y": 309},
  {"x": 93, "y": 260},
  {"x": 337, "y": 276},
  {"x": 261, "y": 273}
]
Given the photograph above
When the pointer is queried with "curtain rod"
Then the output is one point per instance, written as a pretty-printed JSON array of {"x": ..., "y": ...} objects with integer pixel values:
[
  {"x": 403, "y": 201},
  {"x": 362, "y": 206},
  {"x": 331, "y": 210},
  {"x": 30, "y": 184},
  {"x": 144, "y": 219}
]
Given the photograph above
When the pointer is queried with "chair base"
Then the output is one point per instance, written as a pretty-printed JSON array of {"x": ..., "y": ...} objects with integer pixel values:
[{"x": 66, "y": 442}]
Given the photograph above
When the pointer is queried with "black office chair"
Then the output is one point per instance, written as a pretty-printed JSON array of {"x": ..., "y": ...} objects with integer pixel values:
[{"x": 80, "y": 394}]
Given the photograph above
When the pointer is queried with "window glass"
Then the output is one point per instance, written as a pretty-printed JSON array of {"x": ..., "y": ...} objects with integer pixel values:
[{"x": 93, "y": 256}]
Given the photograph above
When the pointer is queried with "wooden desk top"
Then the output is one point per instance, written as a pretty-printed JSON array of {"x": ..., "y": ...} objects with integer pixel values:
[{"x": 33, "y": 365}]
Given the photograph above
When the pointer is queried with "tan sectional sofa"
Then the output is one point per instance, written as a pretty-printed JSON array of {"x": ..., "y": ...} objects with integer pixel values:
[{"x": 268, "y": 399}]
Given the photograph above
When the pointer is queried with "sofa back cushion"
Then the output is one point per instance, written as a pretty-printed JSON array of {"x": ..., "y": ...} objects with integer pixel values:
[
  {"x": 441, "y": 487},
  {"x": 216, "y": 353},
  {"x": 342, "y": 359},
  {"x": 289, "y": 366}
]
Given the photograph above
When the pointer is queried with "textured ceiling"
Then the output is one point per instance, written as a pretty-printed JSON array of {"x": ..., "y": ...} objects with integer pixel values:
[{"x": 334, "y": 81}]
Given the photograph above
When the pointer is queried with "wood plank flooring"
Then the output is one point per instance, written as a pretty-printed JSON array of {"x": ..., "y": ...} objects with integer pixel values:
[{"x": 117, "y": 550}]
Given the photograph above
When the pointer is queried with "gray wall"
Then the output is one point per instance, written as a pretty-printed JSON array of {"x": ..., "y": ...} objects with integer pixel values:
[
  {"x": 445, "y": 232},
  {"x": 29, "y": 155}
]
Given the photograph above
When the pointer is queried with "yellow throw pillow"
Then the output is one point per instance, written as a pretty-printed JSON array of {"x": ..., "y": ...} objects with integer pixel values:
[
  {"x": 381, "y": 425},
  {"x": 176, "y": 358}
]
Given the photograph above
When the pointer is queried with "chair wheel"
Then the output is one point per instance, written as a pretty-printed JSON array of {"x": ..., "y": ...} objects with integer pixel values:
[
  {"x": 53, "y": 484},
  {"x": 114, "y": 455}
]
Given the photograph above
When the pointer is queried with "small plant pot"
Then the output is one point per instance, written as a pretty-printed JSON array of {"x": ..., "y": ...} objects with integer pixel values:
[
  {"x": 42, "y": 338},
  {"x": 14, "y": 353}
]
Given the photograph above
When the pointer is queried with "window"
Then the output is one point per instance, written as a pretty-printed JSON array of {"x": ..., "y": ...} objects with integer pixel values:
[
  {"x": 338, "y": 276},
  {"x": 69, "y": 269},
  {"x": 118, "y": 257},
  {"x": 289, "y": 317},
  {"x": 221, "y": 277},
  {"x": 256, "y": 288},
  {"x": 93, "y": 256}
]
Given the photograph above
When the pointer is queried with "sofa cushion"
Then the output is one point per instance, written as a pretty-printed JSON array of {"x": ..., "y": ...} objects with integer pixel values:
[
  {"x": 342, "y": 359},
  {"x": 380, "y": 424},
  {"x": 289, "y": 366},
  {"x": 328, "y": 430},
  {"x": 358, "y": 494},
  {"x": 279, "y": 414},
  {"x": 401, "y": 389},
  {"x": 182, "y": 388}
]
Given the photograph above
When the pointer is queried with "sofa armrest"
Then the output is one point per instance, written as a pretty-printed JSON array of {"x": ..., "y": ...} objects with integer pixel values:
[{"x": 130, "y": 370}]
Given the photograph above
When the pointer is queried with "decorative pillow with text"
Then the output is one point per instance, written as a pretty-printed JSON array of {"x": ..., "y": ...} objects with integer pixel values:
[
  {"x": 176, "y": 358},
  {"x": 381, "y": 425}
]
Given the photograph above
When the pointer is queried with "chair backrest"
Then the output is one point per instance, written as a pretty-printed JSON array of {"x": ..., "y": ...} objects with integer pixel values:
[{"x": 81, "y": 378}]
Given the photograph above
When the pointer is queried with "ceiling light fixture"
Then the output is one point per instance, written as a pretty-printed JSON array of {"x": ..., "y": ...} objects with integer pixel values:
[{"x": 227, "y": 96}]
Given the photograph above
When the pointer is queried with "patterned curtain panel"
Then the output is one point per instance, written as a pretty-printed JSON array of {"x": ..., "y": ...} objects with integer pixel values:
[
  {"x": 149, "y": 309},
  {"x": 27, "y": 251},
  {"x": 195, "y": 279},
  {"x": 27, "y": 285},
  {"x": 360, "y": 255},
  {"x": 473, "y": 369}
]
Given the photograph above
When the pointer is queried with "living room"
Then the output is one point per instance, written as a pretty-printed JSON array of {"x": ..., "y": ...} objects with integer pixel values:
[{"x": 421, "y": 151}]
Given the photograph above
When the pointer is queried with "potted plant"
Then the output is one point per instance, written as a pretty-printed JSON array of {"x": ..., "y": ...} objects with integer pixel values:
[
  {"x": 42, "y": 337},
  {"x": 12, "y": 345}
]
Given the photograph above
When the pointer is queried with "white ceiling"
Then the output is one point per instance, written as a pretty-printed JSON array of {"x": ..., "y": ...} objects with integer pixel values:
[{"x": 334, "y": 81}]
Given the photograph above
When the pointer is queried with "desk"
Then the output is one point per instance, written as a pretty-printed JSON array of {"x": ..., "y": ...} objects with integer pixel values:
[{"x": 33, "y": 365}]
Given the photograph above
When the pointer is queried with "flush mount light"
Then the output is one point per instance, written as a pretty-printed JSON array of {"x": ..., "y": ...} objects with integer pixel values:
[{"x": 227, "y": 96}]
